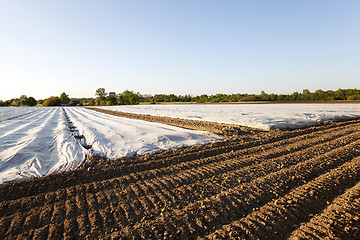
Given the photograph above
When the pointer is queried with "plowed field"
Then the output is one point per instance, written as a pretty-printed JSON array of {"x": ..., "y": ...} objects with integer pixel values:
[{"x": 300, "y": 184}]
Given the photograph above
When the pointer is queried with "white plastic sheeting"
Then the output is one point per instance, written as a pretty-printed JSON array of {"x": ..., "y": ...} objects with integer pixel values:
[
  {"x": 37, "y": 144},
  {"x": 37, "y": 141},
  {"x": 263, "y": 116},
  {"x": 7, "y": 113},
  {"x": 113, "y": 136}
]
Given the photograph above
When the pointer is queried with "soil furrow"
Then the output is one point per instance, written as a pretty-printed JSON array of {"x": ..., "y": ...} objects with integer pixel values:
[
  {"x": 232, "y": 165},
  {"x": 255, "y": 193},
  {"x": 286, "y": 213},
  {"x": 340, "y": 219},
  {"x": 205, "y": 187},
  {"x": 70, "y": 223},
  {"x": 83, "y": 216},
  {"x": 96, "y": 220}
]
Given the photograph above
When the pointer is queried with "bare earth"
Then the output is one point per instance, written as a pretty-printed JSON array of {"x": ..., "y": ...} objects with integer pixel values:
[{"x": 300, "y": 184}]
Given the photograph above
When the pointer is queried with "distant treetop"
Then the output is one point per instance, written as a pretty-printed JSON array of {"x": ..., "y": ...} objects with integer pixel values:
[{"x": 130, "y": 98}]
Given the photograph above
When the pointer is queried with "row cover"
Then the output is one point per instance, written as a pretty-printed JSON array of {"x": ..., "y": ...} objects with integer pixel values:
[
  {"x": 38, "y": 141},
  {"x": 262, "y": 116}
]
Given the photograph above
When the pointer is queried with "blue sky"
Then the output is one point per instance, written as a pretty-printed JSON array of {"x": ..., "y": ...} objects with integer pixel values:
[{"x": 182, "y": 47}]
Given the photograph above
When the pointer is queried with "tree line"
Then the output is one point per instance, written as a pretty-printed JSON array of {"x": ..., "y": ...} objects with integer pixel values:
[
  {"x": 125, "y": 98},
  {"x": 24, "y": 101},
  {"x": 305, "y": 95},
  {"x": 131, "y": 98},
  {"x": 103, "y": 99}
]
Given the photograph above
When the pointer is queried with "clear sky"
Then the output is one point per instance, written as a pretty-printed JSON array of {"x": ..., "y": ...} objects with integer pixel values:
[{"x": 177, "y": 46}]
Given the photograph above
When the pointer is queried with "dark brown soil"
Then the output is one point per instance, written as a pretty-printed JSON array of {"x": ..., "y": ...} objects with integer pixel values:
[{"x": 300, "y": 184}]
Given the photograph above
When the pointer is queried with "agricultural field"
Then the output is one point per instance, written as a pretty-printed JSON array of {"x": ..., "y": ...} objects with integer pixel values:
[
  {"x": 249, "y": 184},
  {"x": 262, "y": 116},
  {"x": 35, "y": 142},
  {"x": 15, "y": 112}
]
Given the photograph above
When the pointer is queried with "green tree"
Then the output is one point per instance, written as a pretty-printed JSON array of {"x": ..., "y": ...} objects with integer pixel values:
[
  {"x": 31, "y": 101},
  {"x": 319, "y": 94},
  {"x": 203, "y": 98},
  {"x": 101, "y": 99},
  {"x": 351, "y": 92},
  {"x": 112, "y": 98},
  {"x": 100, "y": 92},
  {"x": 23, "y": 100},
  {"x": 91, "y": 102},
  {"x": 353, "y": 97},
  {"x": 129, "y": 98},
  {"x": 249, "y": 98},
  {"x": 294, "y": 96},
  {"x": 65, "y": 98},
  {"x": 15, "y": 102},
  {"x": 52, "y": 101},
  {"x": 306, "y": 95}
]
